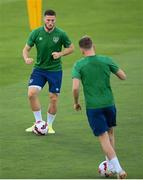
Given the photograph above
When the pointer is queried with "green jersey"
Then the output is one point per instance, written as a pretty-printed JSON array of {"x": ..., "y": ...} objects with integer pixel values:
[
  {"x": 94, "y": 73},
  {"x": 46, "y": 43}
]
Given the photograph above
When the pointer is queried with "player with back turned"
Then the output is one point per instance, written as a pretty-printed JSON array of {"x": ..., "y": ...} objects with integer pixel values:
[
  {"x": 94, "y": 73},
  {"x": 48, "y": 41}
]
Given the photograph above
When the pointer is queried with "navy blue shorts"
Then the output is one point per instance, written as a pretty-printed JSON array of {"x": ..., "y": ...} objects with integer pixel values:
[
  {"x": 40, "y": 77},
  {"x": 102, "y": 119}
]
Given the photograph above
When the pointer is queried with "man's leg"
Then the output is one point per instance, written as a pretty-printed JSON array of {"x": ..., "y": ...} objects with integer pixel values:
[
  {"x": 110, "y": 153},
  {"x": 54, "y": 79},
  {"x": 35, "y": 104},
  {"x": 110, "y": 115},
  {"x": 106, "y": 146},
  {"x": 112, "y": 141},
  {"x": 111, "y": 137},
  {"x": 33, "y": 98},
  {"x": 52, "y": 110}
]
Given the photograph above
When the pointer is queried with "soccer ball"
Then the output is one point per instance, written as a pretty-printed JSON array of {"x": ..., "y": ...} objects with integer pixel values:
[
  {"x": 102, "y": 169},
  {"x": 40, "y": 128}
]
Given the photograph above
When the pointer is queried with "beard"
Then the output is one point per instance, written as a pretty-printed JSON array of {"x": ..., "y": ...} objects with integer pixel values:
[{"x": 49, "y": 28}]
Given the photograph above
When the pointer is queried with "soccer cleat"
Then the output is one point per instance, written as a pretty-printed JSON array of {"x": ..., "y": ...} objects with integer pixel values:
[
  {"x": 110, "y": 170},
  {"x": 30, "y": 129},
  {"x": 122, "y": 175},
  {"x": 51, "y": 130},
  {"x": 109, "y": 173}
]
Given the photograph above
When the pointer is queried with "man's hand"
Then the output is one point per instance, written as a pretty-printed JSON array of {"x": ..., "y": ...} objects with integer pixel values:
[
  {"x": 56, "y": 55},
  {"x": 28, "y": 60},
  {"x": 77, "y": 107}
]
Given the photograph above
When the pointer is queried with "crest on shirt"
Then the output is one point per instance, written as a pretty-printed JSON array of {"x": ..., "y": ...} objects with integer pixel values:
[{"x": 55, "y": 39}]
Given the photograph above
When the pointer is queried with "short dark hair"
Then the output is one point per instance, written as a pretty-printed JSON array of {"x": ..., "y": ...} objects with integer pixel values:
[
  {"x": 85, "y": 42},
  {"x": 49, "y": 12}
]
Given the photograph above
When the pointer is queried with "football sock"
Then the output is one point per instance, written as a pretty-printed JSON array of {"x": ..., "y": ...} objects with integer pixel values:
[
  {"x": 50, "y": 119},
  {"x": 37, "y": 115},
  {"x": 115, "y": 163},
  {"x": 110, "y": 166}
]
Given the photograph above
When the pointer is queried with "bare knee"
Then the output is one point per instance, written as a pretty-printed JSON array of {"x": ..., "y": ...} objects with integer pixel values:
[
  {"x": 53, "y": 98},
  {"x": 32, "y": 92}
]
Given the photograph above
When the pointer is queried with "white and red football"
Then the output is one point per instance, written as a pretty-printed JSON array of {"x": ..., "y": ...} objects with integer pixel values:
[{"x": 41, "y": 128}]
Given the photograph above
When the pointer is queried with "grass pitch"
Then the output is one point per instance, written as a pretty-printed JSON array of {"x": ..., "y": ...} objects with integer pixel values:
[{"x": 116, "y": 27}]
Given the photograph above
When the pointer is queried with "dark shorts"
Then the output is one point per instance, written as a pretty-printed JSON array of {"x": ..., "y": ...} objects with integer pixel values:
[
  {"x": 102, "y": 119},
  {"x": 40, "y": 77}
]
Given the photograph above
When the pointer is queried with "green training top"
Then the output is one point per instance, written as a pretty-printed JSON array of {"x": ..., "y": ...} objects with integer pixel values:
[
  {"x": 94, "y": 73},
  {"x": 46, "y": 43}
]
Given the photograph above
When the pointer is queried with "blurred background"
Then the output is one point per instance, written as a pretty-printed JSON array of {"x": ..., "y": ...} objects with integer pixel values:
[{"x": 116, "y": 27}]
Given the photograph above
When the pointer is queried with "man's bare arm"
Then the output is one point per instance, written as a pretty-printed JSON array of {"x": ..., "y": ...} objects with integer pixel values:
[
  {"x": 65, "y": 52},
  {"x": 25, "y": 54},
  {"x": 121, "y": 74},
  {"x": 75, "y": 91}
]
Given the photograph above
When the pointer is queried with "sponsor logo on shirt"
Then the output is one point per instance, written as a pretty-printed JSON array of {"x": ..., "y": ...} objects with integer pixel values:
[
  {"x": 40, "y": 38},
  {"x": 55, "y": 39}
]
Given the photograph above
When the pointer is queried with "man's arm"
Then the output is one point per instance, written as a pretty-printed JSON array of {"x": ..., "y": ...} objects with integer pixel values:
[
  {"x": 75, "y": 91},
  {"x": 25, "y": 54},
  {"x": 65, "y": 52},
  {"x": 121, "y": 74}
]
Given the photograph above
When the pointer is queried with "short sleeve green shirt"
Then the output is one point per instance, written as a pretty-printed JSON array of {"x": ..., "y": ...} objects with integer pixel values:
[
  {"x": 46, "y": 43},
  {"x": 94, "y": 73}
]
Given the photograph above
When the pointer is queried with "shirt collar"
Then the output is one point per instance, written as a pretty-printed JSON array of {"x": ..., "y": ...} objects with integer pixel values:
[{"x": 45, "y": 28}]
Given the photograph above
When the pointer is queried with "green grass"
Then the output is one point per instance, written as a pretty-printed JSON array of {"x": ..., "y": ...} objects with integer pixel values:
[{"x": 116, "y": 27}]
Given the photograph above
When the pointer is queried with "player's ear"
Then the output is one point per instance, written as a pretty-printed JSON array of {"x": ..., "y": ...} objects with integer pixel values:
[
  {"x": 44, "y": 18},
  {"x": 81, "y": 50},
  {"x": 94, "y": 47}
]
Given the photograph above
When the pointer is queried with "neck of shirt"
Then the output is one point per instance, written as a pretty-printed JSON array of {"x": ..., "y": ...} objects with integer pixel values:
[{"x": 47, "y": 30}]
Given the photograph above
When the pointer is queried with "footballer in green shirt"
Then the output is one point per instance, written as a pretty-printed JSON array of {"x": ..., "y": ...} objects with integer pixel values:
[
  {"x": 48, "y": 41},
  {"x": 94, "y": 73}
]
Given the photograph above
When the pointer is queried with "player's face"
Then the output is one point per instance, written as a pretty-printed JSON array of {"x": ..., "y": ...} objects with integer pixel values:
[{"x": 50, "y": 21}]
